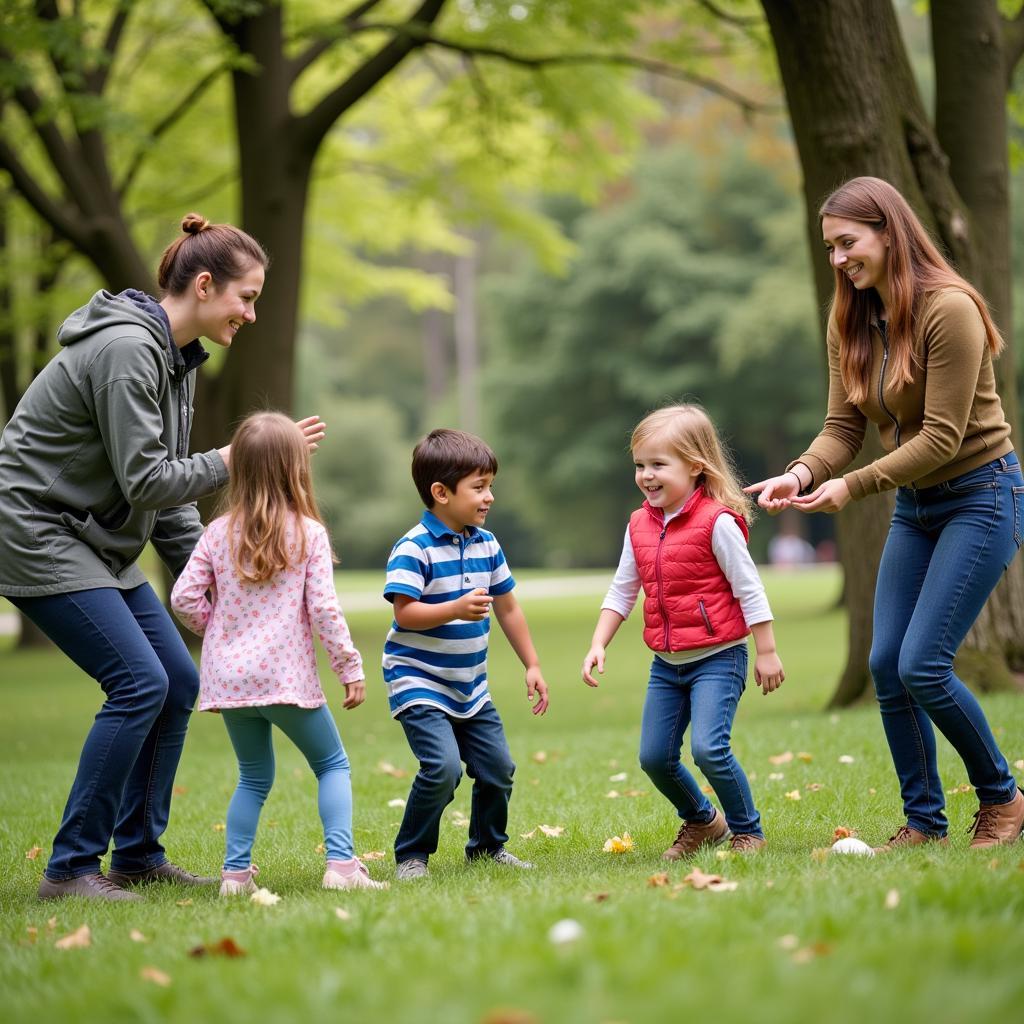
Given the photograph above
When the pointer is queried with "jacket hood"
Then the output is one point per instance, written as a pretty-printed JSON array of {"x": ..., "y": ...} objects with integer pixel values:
[{"x": 131, "y": 306}]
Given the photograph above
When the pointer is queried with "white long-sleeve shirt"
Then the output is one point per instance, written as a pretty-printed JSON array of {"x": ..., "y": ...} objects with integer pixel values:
[{"x": 730, "y": 550}]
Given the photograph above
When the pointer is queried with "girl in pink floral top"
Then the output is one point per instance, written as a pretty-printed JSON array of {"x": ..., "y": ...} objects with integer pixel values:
[{"x": 258, "y": 584}]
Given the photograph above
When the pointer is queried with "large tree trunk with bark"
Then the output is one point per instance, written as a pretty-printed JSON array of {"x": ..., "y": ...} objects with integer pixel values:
[{"x": 855, "y": 110}]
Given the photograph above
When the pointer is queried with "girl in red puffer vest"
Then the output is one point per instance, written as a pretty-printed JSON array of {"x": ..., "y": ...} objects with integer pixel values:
[{"x": 686, "y": 546}]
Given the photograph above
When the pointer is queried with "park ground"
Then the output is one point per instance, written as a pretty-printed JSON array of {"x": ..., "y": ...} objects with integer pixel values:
[{"x": 931, "y": 934}]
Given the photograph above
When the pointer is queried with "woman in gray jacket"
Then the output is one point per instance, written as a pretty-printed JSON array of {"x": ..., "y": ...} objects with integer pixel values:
[{"x": 94, "y": 464}]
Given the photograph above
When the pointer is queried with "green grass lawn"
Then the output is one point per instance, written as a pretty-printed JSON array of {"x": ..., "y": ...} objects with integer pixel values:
[{"x": 800, "y": 939}]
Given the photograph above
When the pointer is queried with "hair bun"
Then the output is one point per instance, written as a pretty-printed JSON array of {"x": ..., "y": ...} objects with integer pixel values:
[{"x": 193, "y": 223}]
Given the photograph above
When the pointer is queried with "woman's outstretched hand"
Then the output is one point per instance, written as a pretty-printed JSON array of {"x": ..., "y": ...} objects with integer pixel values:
[
  {"x": 831, "y": 496},
  {"x": 313, "y": 430},
  {"x": 775, "y": 493}
]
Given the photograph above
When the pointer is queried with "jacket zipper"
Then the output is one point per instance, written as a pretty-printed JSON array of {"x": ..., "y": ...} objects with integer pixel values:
[
  {"x": 661, "y": 589},
  {"x": 704, "y": 615},
  {"x": 884, "y": 331},
  {"x": 182, "y": 413}
]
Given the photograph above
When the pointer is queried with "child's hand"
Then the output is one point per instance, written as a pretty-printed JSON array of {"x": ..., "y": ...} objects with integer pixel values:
[
  {"x": 473, "y": 606},
  {"x": 595, "y": 656},
  {"x": 313, "y": 431},
  {"x": 768, "y": 672},
  {"x": 536, "y": 687},
  {"x": 355, "y": 694}
]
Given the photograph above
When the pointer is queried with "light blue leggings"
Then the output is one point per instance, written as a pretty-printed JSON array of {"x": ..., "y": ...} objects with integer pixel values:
[{"x": 313, "y": 731}]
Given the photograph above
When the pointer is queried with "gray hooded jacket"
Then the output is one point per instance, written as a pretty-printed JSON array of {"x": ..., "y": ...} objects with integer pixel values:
[{"x": 94, "y": 462}]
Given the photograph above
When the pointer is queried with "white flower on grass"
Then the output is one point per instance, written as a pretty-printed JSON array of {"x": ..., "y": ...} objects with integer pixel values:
[{"x": 565, "y": 931}]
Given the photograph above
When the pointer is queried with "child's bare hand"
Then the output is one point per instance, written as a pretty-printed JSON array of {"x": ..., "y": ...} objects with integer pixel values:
[
  {"x": 536, "y": 688},
  {"x": 313, "y": 431},
  {"x": 355, "y": 694},
  {"x": 473, "y": 606},
  {"x": 768, "y": 672},
  {"x": 595, "y": 656}
]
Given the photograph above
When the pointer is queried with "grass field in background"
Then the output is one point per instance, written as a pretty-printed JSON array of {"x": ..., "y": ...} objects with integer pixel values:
[{"x": 924, "y": 935}]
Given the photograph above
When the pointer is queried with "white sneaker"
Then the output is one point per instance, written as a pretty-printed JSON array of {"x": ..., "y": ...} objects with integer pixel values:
[
  {"x": 510, "y": 860},
  {"x": 238, "y": 883},
  {"x": 349, "y": 874}
]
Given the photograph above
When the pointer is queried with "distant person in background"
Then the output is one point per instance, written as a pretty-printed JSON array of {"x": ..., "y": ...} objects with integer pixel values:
[
  {"x": 910, "y": 347},
  {"x": 94, "y": 464},
  {"x": 788, "y": 548}
]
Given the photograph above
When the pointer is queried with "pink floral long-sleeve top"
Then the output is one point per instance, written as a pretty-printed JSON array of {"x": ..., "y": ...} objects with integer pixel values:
[{"x": 258, "y": 637}]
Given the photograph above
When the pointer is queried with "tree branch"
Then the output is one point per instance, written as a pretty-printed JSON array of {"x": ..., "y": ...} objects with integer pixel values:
[
  {"x": 328, "y": 35},
  {"x": 314, "y": 125},
  {"x": 732, "y": 19},
  {"x": 166, "y": 123},
  {"x": 97, "y": 77},
  {"x": 1013, "y": 44}
]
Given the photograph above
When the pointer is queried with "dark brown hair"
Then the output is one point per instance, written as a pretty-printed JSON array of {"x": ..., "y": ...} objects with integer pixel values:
[
  {"x": 224, "y": 251},
  {"x": 446, "y": 456},
  {"x": 269, "y": 491},
  {"x": 915, "y": 269}
]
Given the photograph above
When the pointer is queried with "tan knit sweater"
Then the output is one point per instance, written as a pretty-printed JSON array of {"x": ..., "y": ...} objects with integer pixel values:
[{"x": 948, "y": 421}]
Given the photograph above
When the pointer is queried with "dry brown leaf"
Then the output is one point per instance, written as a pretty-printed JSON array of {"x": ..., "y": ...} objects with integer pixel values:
[
  {"x": 784, "y": 758},
  {"x": 264, "y": 898},
  {"x": 805, "y": 757},
  {"x": 964, "y": 787},
  {"x": 634, "y": 792},
  {"x": 793, "y": 794},
  {"x": 80, "y": 938},
  {"x": 539, "y": 757},
  {"x": 179, "y": 790},
  {"x": 33, "y": 852},
  {"x": 892, "y": 899},
  {"x": 613, "y": 794},
  {"x": 387, "y": 768},
  {"x": 602, "y": 897},
  {"x": 184, "y": 903},
  {"x": 218, "y": 826},
  {"x": 658, "y": 880},
  {"x": 528, "y": 835},
  {"x": 809, "y": 953},
  {"x": 155, "y": 975},
  {"x": 552, "y": 831},
  {"x": 373, "y": 855},
  {"x": 507, "y": 1015},
  {"x": 846, "y": 759},
  {"x": 619, "y": 844},
  {"x": 775, "y": 776},
  {"x": 787, "y": 942},
  {"x": 842, "y": 832},
  {"x": 813, "y": 787},
  {"x": 698, "y": 879},
  {"x": 51, "y": 924},
  {"x": 618, "y": 777},
  {"x": 226, "y": 947},
  {"x": 32, "y": 935},
  {"x": 136, "y": 936},
  {"x": 320, "y": 848},
  {"x": 1019, "y": 765},
  {"x": 397, "y": 802}
]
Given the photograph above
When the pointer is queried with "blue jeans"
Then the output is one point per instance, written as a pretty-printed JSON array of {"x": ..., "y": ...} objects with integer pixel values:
[
  {"x": 127, "y": 642},
  {"x": 440, "y": 742},
  {"x": 313, "y": 731},
  {"x": 948, "y": 546},
  {"x": 703, "y": 694}
]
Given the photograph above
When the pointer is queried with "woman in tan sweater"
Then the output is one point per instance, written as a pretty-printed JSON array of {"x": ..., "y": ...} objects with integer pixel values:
[{"x": 910, "y": 347}]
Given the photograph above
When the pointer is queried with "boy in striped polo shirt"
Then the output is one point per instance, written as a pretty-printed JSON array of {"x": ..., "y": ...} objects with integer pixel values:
[{"x": 444, "y": 577}]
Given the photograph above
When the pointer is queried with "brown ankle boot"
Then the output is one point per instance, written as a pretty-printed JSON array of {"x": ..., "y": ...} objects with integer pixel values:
[
  {"x": 747, "y": 842},
  {"x": 907, "y": 836},
  {"x": 693, "y": 835},
  {"x": 998, "y": 824}
]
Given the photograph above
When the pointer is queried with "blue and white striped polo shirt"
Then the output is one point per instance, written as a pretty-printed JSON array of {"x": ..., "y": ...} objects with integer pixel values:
[{"x": 445, "y": 666}]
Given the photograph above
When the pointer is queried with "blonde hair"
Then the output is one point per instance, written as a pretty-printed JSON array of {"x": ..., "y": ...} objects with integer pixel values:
[
  {"x": 270, "y": 489},
  {"x": 689, "y": 432}
]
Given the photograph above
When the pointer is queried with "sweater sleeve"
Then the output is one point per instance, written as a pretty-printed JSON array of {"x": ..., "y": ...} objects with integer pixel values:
[
  {"x": 954, "y": 345},
  {"x": 730, "y": 549},
  {"x": 324, "y": 612},
  {"x": 843, "y": 433},
  {"x": 188, "y": 598},
  {"x": 625, "y": 585}
]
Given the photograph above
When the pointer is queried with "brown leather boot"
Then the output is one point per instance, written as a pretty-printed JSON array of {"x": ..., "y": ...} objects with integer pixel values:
[
  {"x": 746, "y": 842},
  {"x": 998, "y": 824},
  {"x": 693, "y": 835},
  {"x": 907, "y": 836}
]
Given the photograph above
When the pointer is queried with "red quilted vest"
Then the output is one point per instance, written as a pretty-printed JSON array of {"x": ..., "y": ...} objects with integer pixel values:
[{"x": 688, "y": 602}]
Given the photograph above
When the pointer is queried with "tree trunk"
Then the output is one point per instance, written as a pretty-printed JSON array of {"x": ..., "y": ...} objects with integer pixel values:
[{"x": 855, "y": 109}]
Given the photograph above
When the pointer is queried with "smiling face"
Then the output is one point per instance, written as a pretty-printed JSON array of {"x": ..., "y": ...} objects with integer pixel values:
[
  {"x": 859, "y": 251},
  {"x": 223, "y": 312},
  {"x": 467, "y": 505},
  {"x": 665, "y": 479}
]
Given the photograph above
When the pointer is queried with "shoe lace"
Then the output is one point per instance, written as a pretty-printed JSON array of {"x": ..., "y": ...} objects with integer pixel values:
[
  {"x": 902, "y": 836},
  {"x": 986, "y": 818},
  {"x": 743, "y": 841},
  {"x": 106, "y": 885}
]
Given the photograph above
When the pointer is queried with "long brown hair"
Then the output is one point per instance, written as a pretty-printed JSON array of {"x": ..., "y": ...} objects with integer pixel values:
[
  {"x": 688, "y": 431},
  {"x": 270, "y": 489},
  {"x": 915, "y": 269}
]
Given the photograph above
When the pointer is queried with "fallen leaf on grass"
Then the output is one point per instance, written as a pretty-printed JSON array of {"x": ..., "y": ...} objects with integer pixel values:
[
  {"x": 387, "y": 768},
  {"x": 788, "y": 942},
  {"x": 618, "y": 844},
  {"x": 373, "y": 855},
  {"x": 775, "y": 776},
  {"x": 32, "y": 853},
  {"x": 1019, "y": 765},
  {"x": 264, "y": 898},
  {"x": 842, "y": 832},
  {"x": 994, "y": 863},
  {"x": 698, "y": 879},
  {"x": 505, "y": 1015},
  {"x": 136, "y": 936},
  {"x": 459, "y": 820},
  {"x": 812, "y": 952},
  {"x": 218, "y": 826},
  {"x": 784, "y": 758},
  {"x": 892, "y": 899},
  {"x": 964, "y": 787},
  {"x": 397, "y": 802},
  {"x": 805, "y": 757},
  {"x": 320, "y": 848},
  {"x": 634, "y": 792},
  {"x": 618, "y": 777},
  {"x": 723, "y": 854},
  {"x": 222, "y": 947},
  {"x": 156, "y": 976},
  {"x": 561, "y": 933},
  {"x": 793, "y": 794},
  {"x": 602, "y": 897},
  {"x": 539, "y": 757},
  {"x": 32, "y": 935},
  {"x": 552, "y": 831},
  {"x": 51, "y": 924},
  {"x": 80, "y": 938},
  {"x": 179, "y": 790},
  {"x": 813, "y": 787},
  {"x": 846, "y": 759},
  {"x": 658, "y": 880},
  {"x": 342, "y": 914},
  {"x": 184, "y": 903},
  {"x": 613, "y": 794}
]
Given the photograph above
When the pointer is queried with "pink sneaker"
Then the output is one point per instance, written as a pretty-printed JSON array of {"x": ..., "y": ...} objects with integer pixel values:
[
  {"x": 349, "y": 874},
  {"x": 238, "y": 883}
]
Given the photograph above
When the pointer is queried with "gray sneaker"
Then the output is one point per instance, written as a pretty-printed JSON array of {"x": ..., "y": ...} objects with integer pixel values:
[
  {"x": 410, "y": 869},
  {"x": 166, "y": 872},
  {"x": 92, "y": 887},
  {"x": 510, "y": 860}
]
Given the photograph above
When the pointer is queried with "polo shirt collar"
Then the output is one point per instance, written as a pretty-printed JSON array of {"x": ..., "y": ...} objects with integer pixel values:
[{"x": 444, "y": 532}]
